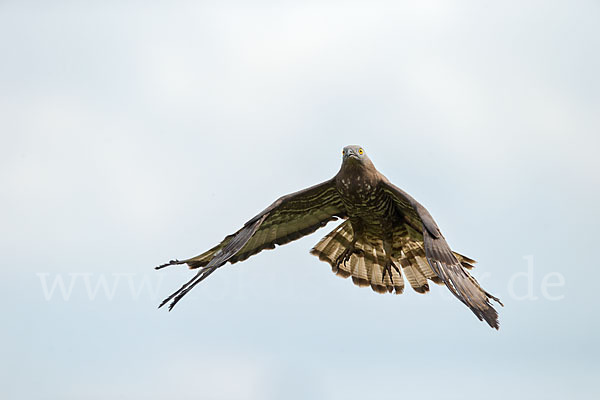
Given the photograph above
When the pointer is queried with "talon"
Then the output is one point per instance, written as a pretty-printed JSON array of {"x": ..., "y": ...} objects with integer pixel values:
[
  {"x": 347, "y": 254},
  {"x": 388, "y": 269}
]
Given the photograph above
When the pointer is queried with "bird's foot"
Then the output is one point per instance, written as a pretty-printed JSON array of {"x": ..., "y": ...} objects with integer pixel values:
[
  {"x": 387, "y": 269},
  {"x": 347, "y": 254}
]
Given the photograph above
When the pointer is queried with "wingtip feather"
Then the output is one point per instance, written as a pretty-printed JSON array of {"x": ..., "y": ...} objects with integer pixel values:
[{"x": 172, "y": 262}]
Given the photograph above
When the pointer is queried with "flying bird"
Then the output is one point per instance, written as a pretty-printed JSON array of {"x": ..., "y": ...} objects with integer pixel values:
[{"x": 386, "y": 236}]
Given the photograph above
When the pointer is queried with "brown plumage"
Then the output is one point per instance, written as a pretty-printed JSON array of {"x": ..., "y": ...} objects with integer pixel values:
[{"x": 386, "y": 236}]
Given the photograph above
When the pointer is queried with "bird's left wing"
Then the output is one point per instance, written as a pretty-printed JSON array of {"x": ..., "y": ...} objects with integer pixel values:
[
  {"x": 289, "y": 218},
  {"x": 443, "y": 261}
]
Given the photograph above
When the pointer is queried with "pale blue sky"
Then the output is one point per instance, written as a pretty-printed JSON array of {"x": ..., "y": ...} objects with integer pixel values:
[{"x": 135, "y": 132}]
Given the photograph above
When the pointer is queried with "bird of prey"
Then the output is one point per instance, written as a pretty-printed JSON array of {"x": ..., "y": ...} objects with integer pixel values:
[{"x": 385, "y": 234}]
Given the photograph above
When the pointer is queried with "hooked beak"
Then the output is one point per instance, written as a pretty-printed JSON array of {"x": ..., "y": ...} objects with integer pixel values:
[{"x": 352, "y": 154}]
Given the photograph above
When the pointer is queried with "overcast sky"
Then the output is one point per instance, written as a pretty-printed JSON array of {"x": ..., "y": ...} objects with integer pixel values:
[{"x": 134, "y": 132}]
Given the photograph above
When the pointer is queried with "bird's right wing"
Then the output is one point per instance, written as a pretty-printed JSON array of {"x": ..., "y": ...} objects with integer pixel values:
[
  {"x": 289, "y": 218},
  {"x": 448, "y": 268}
]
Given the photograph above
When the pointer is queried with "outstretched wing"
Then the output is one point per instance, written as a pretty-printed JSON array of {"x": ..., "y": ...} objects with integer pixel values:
[
  {"x": 289, "y": 218},
  {"x": 448, "y": 268}
]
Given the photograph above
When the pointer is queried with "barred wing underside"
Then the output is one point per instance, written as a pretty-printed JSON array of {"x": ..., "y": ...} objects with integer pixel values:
[
  {"x": 289, "y": 218},
  {"x": 449, "y": 267}
]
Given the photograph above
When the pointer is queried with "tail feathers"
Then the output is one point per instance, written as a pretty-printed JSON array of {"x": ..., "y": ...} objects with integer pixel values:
[
  {"x": 366, "y": 268},
  {"x": 464, "y": 260},
  {"x": 415, "y": 266},
  {"x": 416, "y": 279},
  {"x": 379, "y": 283}
]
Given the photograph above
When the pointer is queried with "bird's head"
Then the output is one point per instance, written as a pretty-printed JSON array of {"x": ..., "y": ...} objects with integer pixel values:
[{"x": 354, "y": 153}]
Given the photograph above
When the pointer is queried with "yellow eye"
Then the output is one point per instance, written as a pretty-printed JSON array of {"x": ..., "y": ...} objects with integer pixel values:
[{"x": 360, "y": 151}]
